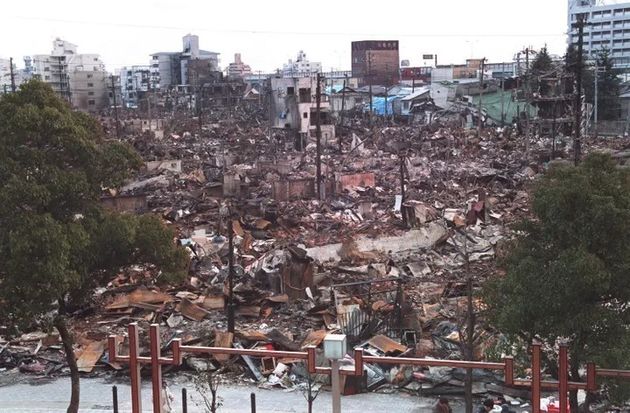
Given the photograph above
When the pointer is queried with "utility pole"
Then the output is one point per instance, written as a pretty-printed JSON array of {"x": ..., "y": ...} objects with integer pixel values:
[
  {"x": 271, "y": 115},
  {"x": 115, "y": 108},
  {"x": 483, "y": 67},
  {"x": 402, "y": 188},
  {"x": 385, "y": 109},
  {"x": 318, "y": 135},
  {"x": 370, "y": 83},
  {"x": 199, "y": 105},
  {"x": 553, "y": 132},
  {"x": 577, "y": 143},
  {"x": 502, "y": 94},
  {"x": 596, "y": 100},
  {"x": 149, "y": 105},
  {"x": 12, "y": 75},
  {"x": 260, "y": 87},
  {"x": 343, "y": 108},
  {"x": 230, "y": 305},
  {"x": 527, "y": 91}
]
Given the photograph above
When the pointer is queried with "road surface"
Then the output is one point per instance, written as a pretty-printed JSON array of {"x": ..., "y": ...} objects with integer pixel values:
[{"x": 52, "y": 397}]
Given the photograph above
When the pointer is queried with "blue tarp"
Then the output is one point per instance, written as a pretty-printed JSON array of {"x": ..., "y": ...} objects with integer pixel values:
[
  {"x": 334, "y": 89},
  {"x": 378, "y": 104}
]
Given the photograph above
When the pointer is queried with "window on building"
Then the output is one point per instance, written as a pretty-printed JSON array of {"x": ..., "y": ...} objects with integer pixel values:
[
  {"x": 46, "y": 69},
  {"x": 96, "y": 59},
  {"x": 90, "y": 93},
  {"x": 90, "y": 85},
  {"x": 91, "y": 102},
  {"x": 46, "y": 77},
  {"x": 89, "y": 76},
  {"x": 305, "y": 115},
  {"x": 290, "y": 91}
]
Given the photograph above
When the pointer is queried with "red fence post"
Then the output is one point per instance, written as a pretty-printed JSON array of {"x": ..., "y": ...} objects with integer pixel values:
[
  {"x": 563, "y": 377},
  {"x": 311, "y": 362},
  {"x": 134, "y": 369},
  {"x": 156, "y": 367},
  {"x": 591, "y": 377},
  {"x": 508, "y": 371},
  {"x": 358, "y": 361},
  {"x": 536, "y": 378}
]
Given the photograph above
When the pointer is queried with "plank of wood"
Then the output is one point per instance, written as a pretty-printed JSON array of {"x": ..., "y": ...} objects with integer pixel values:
[
  {"x": 90, "y": 356},
  {"x": 213, "y": 302},
  {"x": 223, "y": 339},
  {"x": 314, "y": 338},
  {"x": 192, "y": 311}
]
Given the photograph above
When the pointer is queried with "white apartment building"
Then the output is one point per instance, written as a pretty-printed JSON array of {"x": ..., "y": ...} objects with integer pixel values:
[
  {"x": 5, "y": 75},
  {"x": 301, "y": 66},
  {"x": 170, "y": 69},
  {"x": 79, "y": 78},
  {"x": 608, "y": 27},
  {"x": 135, "y": 81},
  {"x": 238, "y": 69}
]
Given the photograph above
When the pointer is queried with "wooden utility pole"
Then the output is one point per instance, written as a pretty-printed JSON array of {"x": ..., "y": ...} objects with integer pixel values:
[
  {"x": 343, "y": 108},
  {"x": 318, "y": 135},
  {"x": 577, "y": 142},
  {"x": 527, "y": 99},
  {"x": 12, "y": 75},
  {"x": 149, "y": 88},
  {"x": 370, "y": 83},
  {"x": 230, "y": 303},
  {"x": 479, "y": 120},
  {"x": 402, "y": 188},
  {"x": 115, "y": 108},
  {"x": 385, "y": 107},
  {"x": 502, "y": 94}
]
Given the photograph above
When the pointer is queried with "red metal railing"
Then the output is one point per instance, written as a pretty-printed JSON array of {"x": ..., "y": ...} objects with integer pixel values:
[{"x": 155, "y": 359}]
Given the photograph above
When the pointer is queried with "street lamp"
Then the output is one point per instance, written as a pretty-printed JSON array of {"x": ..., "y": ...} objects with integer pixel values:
[{"x": 334, "y": 350}]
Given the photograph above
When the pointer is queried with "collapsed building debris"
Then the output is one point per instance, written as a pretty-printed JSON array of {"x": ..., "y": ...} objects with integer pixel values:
[{"x": 388, "y": 274}]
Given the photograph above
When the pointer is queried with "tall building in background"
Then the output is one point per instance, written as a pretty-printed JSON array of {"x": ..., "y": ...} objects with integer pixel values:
[
  {"x": 301, "y": 66},
  {"x": 5, "y": 75},
  {"x": 238, "y": 69},
  {"x": 376, "y": 62},
  {"x": 170, "y": 69},
  {"x": 609, "y": 27},
  {"x": 81, "y": 79},
  {"x": 135, "y": 82}
]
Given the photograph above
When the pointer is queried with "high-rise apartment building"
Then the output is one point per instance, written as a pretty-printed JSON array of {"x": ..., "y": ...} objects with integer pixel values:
[
  {"x": 301, "y": 66},
  {"x": 608, "y": 27},
  {"x": 79, "y": 78},
  {"x": 170, "y": 69},
  {"x": 238, "y": 69},
  {"x": 135, "y": 82}
]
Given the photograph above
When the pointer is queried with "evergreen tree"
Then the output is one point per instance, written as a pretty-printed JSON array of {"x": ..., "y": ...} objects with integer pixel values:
[
  {"x": 587, "y": 73},
  {"x": 567, "y": 273},
  {"x": 56, "y": 241},
  {"x": 542, "y": 63},
  {"x": 608, "y": 82}
]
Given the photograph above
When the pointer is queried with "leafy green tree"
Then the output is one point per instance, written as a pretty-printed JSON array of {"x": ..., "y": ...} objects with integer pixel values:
[
  {"x": 567, "y": 274},
  {"x": 608, "y": 82},
  {"x": 56, "y": 242}
]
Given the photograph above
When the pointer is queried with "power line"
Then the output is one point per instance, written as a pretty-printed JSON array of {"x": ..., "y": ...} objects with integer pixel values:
[{"x": 295, "y": 33}]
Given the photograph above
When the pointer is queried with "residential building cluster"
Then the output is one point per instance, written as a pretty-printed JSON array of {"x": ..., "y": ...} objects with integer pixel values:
[{"x": 376, "y": 69}]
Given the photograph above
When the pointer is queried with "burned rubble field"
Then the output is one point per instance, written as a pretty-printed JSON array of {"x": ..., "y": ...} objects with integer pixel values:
[{"x": 306, "y": 267}]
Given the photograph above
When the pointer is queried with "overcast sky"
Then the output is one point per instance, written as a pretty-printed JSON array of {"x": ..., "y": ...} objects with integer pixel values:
[{"x": 268, "y": 33}]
